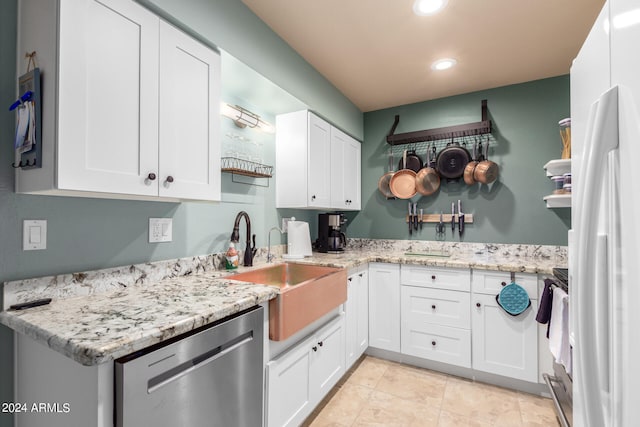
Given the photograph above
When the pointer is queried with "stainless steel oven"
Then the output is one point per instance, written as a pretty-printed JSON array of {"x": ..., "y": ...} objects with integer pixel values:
[
  {"x": 209, "y": 377},
  {"x": 560, "y": 384}
]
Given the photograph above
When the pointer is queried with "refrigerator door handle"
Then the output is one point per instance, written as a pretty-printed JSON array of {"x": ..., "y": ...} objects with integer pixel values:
[
  {"x": 602, "y": 138},
  {"x": 602, "y": 295}
]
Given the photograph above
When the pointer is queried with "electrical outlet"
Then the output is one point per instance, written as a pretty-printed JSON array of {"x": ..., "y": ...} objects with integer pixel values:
[{"x": 160, "y": 230}]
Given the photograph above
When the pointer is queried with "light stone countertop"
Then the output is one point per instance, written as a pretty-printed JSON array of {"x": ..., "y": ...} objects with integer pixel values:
[{"x": 96, "y": 317}]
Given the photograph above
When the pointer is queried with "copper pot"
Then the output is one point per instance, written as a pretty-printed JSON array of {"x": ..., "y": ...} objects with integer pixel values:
[
  {"x": 427, "y": 178},
  {"x": 383, "y": 182},
  {"x": 486, "y": 171},
  {"x": 470, "y": 168},
  {"x": 403, "y": 182}
]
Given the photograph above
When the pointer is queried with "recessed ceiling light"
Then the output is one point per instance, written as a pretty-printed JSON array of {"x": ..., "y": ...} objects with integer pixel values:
[
  {"x": 428, "y": 7},
  {"x": 443, "y": 64}
]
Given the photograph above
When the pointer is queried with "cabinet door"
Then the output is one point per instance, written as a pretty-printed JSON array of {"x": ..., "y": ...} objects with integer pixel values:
[
  {"x": 319, "y": 183},
  {"x": 436, "y": 277},
  {"x": 362, "y": 329},
  {"x": 107, "y": 97},
  {"x": 189, "y": 117},
  {"x": 352, "y": 171},
  {"x": 327, "y": 360},
  {"x": 384, "y": 306},
  {"x": 289, "y": 391},
  {"x": 437, "y": 342},
  {"x": 435, "y": 306},
  {"x": 345, "y": 171},
  {"x": 491, "y": 282},
  {"x": 504, "y": 344},
  {"x": 337, "y": 167},
  {"x": 351, "y": 320}
]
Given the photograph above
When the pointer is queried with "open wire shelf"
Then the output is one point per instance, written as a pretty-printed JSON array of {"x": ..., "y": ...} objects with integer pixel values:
[{"x": 246, "y": 167}]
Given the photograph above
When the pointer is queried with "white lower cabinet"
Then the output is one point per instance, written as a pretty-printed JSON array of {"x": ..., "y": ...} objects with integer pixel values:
[
  {"x": 356, "y": 311},
  {"x": 384, "y": 306},
  {"x": 504, "y": 344},
  {"x": 299, "y": 379},
  {"x": 435, "y": 321}
]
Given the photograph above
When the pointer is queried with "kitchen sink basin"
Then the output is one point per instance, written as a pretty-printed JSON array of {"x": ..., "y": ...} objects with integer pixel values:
[{"x": 307, "y": 292}]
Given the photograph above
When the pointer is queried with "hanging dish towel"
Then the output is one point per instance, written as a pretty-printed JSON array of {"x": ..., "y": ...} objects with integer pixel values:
[
  {"x": 559, "y": 329},
  {"x": 513, "y": 299},
  {"x": 546, "y": 302}
]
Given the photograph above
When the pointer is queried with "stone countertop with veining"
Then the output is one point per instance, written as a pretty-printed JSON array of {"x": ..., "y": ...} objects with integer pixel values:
[
  {"x": 102, "y": 327},
  {"x": 99, "y": 316},
  {"x": 499, "y": 257}
]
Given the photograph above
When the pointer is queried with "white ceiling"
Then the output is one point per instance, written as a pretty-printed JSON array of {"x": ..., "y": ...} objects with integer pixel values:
[{"x": 378, "y": 53}]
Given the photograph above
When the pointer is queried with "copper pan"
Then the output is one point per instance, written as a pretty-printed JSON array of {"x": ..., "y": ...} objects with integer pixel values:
[
  {"x": 403, "y": 182},
  {"x": 486, "y": 171},
  {"x": 427, "y": 178},
  {"x": 385, "y": 180},
  {"x": 471, "y": 166}
]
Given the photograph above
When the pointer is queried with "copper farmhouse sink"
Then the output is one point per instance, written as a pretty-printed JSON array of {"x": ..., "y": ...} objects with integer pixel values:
[{"x": 307, "y": 292}]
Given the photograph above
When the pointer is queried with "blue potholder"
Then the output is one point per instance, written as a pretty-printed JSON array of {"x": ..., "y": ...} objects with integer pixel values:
[{"x": 513, "y": 299}]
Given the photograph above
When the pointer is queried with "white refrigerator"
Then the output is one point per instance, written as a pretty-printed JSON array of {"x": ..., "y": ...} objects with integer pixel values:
[{"x": 604, "y": 243}]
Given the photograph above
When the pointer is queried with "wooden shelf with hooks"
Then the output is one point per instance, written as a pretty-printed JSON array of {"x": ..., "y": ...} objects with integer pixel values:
[{"x": 469, "y": 129}]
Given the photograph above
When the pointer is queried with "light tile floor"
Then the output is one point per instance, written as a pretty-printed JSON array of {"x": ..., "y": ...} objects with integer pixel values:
[{"x": 383, "y": 393}]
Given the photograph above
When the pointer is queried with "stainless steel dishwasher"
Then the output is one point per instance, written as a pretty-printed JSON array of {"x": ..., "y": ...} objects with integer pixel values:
[{"x": 210, "y": 377}]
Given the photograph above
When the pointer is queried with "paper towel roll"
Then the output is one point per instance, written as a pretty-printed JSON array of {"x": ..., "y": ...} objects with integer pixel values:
[{"x": 298, "y": 240}]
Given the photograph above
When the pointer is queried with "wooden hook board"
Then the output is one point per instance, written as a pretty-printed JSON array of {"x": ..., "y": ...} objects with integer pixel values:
[{"x": 468, "y": 218}]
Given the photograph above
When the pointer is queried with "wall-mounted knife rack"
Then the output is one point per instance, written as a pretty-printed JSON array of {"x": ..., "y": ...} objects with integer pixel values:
[
  {"x": 446, "y": 218},
  {"x": 482, "y": 127}
]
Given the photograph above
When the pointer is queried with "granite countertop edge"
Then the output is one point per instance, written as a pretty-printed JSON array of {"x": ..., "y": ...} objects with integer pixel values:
[{"x": 33, "y": 322}]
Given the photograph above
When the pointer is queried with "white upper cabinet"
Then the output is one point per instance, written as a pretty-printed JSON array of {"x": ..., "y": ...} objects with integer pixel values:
[
  {"x": 317, "y": 165},
  {"x": 345, "y": 171},
  {"x": 135, "y": 113},
  {"x": 189, "y": 161},
  {"x": 319, "y": 158},
  {"x": 107, "y": 97}
]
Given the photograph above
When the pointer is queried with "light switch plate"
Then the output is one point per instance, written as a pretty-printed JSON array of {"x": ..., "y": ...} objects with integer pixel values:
[
  {"x": 34, "y": 234},
  {"x": 160, "y": 230}
]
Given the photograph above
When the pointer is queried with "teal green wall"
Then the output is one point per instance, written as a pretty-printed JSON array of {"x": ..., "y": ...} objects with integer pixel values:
[
  {"x": 230, "y": 25},
  {"x": 8, "y": 214},
  {"x": 86, "y": 234},
  {"x": 525, "y": 122}
]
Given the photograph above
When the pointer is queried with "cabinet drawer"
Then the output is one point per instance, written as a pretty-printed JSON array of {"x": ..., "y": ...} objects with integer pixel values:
[
  {"x": 435, "y": 306},
  {"x": 438, "y": 343},
  {"x": 491, "y": 282},
  {"x": 436, "y": 277}
]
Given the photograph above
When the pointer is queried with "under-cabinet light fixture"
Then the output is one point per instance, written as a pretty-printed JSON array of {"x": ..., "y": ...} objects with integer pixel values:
[{"x": 244, "y": 118}]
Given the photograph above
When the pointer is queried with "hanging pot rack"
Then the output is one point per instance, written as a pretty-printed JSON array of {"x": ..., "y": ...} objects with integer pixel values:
[{"x": 444, "y": 133}]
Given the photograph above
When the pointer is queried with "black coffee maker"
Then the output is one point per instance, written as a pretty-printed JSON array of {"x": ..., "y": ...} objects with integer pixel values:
[{"x": 330, "y": 238}]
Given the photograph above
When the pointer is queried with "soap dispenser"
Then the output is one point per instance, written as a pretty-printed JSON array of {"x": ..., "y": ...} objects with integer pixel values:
[{"x": 231, "y": 257}]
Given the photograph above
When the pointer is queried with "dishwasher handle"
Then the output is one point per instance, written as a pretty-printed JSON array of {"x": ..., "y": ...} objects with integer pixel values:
[{"x": 197, "y": 362}]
